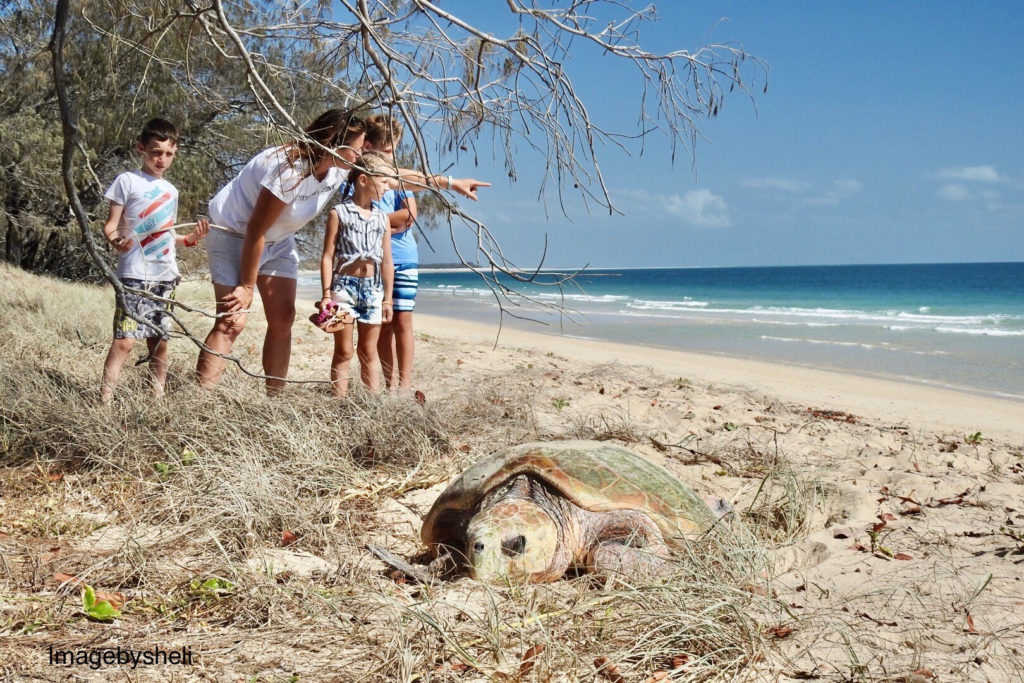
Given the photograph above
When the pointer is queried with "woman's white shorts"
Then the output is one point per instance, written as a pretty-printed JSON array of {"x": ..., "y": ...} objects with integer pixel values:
[{"x": 224, "y": 250}]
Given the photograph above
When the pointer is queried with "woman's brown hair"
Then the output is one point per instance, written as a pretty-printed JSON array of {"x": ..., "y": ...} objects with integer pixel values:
[{"x": 332, "y": 129}]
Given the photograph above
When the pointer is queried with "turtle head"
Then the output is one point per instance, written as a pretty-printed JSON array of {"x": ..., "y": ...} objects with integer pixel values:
[{"x": 514, "y": 540}]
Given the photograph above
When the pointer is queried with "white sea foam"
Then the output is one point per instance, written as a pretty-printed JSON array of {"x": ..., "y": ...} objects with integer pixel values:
[
  {"x": 684, "y": 304},
  {"x": 458, "y": 290},
  {"x": 828, "y": 316},
  {"x": 576, "y": 297},
  {"x": 980, "y": 331},
  {"x": 547, "y": 295},
  {"x": 920, "y": 319},
  {"x": 885, "y": 346},
  {"x": 789, "y": 323},
  {"x": 830, "y": 342}
]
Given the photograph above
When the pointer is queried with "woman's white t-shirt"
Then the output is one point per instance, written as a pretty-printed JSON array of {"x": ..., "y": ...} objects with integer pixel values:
[
  {"x": 150, "y": 208},
  {"x": 304, "y": 197}
]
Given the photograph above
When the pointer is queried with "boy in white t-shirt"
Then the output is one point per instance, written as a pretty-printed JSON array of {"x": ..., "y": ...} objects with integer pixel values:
[{"x": 143, "y": 210}]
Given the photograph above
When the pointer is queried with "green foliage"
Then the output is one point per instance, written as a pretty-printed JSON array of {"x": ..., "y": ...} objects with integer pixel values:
[
  {"x": 211, "y": 589},
  {"x": 95, "y": 609},
  {"x": 188, "y": 457},
  {"x": 126, "y": 63},
  {"x": 973, "y": 439}
]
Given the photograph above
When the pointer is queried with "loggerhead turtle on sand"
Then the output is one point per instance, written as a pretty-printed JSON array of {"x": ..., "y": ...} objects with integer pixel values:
[{"x": 534, "y": 511}]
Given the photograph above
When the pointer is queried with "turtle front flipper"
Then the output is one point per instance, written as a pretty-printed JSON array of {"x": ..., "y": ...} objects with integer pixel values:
[
  {"x": 412, "y": 571},
  {"x": 626, "y": 543}
]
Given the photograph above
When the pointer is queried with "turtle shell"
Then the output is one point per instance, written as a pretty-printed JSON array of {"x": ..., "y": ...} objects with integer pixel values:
[{"x": 595, "y": 475}]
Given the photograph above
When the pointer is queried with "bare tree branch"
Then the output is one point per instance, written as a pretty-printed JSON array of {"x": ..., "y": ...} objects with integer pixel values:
[{"x": 461, "y": 89}]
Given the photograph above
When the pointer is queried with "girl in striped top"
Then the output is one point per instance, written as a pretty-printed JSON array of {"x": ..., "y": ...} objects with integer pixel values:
[{"x": 357, "y": 273}]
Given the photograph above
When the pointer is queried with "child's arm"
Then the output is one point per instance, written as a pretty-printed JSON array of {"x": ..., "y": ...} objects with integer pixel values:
[
  {"x": 120, "y": 244},
  {"x": 192, "y": 239},
  {"x": 387, "y": 275},
  {"x": 327, "y": 257},
  {"x": 402, "y": 219},
  {"x": 409, "y": 179}
]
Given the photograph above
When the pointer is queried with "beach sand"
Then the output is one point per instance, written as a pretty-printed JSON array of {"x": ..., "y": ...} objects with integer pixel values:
[
  {"x": 892, "y": 513},
  {"x": 911, "y": 554}
]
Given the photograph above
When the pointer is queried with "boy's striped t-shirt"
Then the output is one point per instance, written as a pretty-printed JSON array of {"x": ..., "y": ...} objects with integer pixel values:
[{"x": 150, "y": 210}]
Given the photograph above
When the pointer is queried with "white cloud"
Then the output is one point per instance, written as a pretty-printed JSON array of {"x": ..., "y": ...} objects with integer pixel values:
[
  {"x": 784, "y": 184},
  {"x": 827, "y": 199},
  {"x": 977, "y": 174},
  {"x": 954, "y": 193},
  {"x": 847, "y": 186},
  {"x": 698, "y": 207},
  {"x": 840, "y": 189},
  {"x": 827, "y": 196}
]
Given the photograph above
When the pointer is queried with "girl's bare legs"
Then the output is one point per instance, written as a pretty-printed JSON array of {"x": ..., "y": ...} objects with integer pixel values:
[
  {"x": 341, "y": 361},
  {"x": 221, "y": 338},
  {"x": 278, "y": 295},
  {"x": 405, "y": 343},
  {"x": 119, "y": 350},
  {"x": 157, "y": 364},
  {"x": 368, "y": 359},
  {"x": 386, "y": 351}
]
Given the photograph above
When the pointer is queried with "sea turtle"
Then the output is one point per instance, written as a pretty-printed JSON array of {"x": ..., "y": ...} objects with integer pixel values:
[{"x": 532, "y": 512}]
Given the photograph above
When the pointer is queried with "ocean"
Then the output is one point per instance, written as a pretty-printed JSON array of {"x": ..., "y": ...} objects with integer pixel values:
[{"x": 955, "y": 325}]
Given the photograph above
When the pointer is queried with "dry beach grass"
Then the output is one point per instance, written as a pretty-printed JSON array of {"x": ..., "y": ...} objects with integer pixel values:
[{"x": 237, "y": 525}]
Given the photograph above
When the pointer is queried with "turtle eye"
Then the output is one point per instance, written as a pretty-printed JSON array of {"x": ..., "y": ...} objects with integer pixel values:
[
  {"x": 514, "y": 546},
  {"x": 478, "y": 547}
]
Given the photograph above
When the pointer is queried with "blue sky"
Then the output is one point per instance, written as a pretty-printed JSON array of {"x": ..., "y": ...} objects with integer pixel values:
[{"x": 890, "y": 133}]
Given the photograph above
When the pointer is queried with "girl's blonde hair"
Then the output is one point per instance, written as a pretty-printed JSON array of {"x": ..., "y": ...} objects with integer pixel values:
[{"x": 372, "y": 164}]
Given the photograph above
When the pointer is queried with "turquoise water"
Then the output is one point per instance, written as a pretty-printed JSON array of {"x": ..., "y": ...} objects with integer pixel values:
[{"x": 958, "y": 325}]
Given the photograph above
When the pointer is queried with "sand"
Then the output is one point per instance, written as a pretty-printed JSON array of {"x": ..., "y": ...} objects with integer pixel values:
[
  {"x": 908, "y": 559},
  {"x": 910, "y": 554},
  {"x": 896, "y": 526}
]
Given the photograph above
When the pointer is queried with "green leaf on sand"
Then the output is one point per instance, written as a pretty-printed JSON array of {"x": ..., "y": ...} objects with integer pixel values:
[{"x": 98, "y": 610}]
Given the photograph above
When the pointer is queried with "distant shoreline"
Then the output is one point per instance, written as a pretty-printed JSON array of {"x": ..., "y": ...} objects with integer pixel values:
[
  {"x": 959, "y": 326},
  {"x": 458, "y": 268},
  {"x": 871, "y": 396},
  {"x": 590, "y": 267}
]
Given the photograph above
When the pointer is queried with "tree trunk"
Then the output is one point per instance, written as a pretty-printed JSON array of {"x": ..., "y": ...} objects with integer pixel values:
[{"x": 13, "y": 252}]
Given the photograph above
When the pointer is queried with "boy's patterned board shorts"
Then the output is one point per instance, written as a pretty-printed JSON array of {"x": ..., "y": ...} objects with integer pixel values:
[
  {"x": 147, "y": 309},
  {"x": 407, "y": 277},
  {"x": 360, "y": 297}
]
